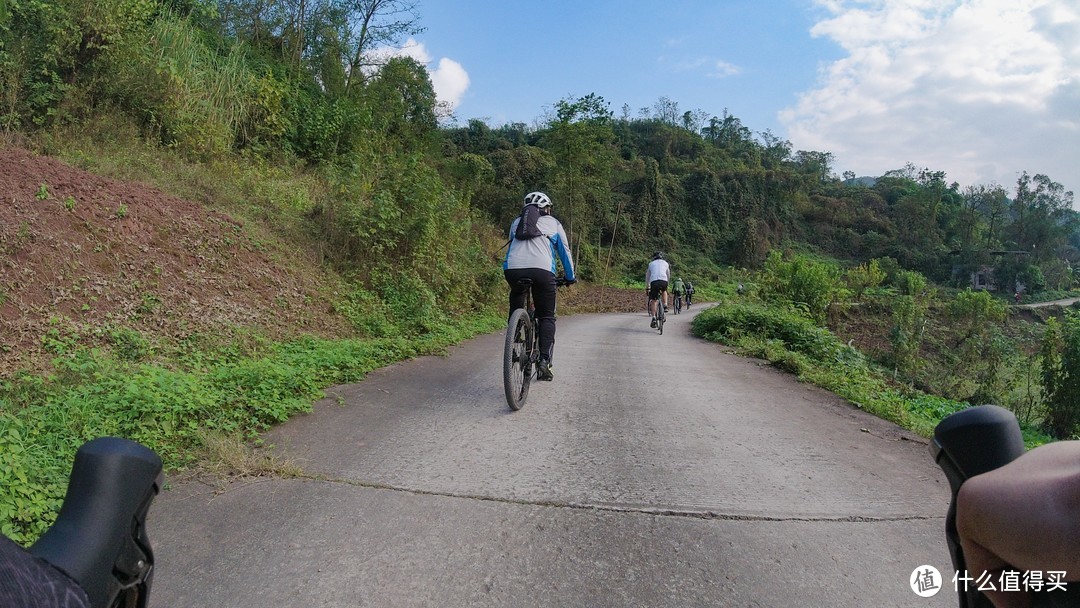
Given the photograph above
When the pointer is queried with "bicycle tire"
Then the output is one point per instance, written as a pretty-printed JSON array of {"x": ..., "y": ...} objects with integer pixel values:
[
  {"x": 517, "y": 354},
  {"x": 661, "y": 316}
]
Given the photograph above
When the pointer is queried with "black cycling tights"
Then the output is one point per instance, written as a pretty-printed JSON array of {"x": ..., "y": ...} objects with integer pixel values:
[{"x": 543, "y": 294}]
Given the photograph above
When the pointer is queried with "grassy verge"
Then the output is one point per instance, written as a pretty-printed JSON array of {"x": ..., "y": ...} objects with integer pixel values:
[
  {"x": 795, "y": 344},
  {"x": 171, "y": 406}
]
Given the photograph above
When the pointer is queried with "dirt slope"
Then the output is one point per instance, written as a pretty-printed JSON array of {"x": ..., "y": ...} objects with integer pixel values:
[
  {"x": 79, "y": 251},
  {"x": 81, "y": 254}
]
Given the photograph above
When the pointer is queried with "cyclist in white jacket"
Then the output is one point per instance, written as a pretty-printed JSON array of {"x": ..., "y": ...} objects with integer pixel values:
[
  {"x": 657, "y": 277},
  {"x": 536, "y": 258}
]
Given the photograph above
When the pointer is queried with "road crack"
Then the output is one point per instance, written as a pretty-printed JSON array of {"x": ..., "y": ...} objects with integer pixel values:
[{"x": 615, "y": 508}]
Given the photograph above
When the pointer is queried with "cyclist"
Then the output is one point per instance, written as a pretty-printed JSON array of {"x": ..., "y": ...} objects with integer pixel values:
[
  {"x": 688, "y": 289},
  {"x": 677, "y": 292},
  {"x": 1023, "y": 516},
  {"x": 657, "y": 277},
  {"x": 537, "y": 242}
]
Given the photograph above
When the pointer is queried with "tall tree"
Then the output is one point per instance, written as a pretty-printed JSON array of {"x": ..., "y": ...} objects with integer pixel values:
[
  {"x": 1043, "y": 218},
  {"x": 582, "y": 142},
  {"x": 373, "y": 24}
]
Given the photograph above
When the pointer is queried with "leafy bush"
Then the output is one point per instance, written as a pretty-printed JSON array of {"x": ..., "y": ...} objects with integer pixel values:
[
  {"x": 864, "y": 277},
  {"x": 802, "y": 282},
  {"x": 906, "y": 336},
  {"x": 793, "y": 343},
  {"x": 1061, "y": 374},
  {"x": 796, "y": 333},
  {"x": 910, "y": 283}
]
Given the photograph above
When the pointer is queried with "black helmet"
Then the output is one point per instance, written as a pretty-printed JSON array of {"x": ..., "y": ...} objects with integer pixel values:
[{"x": 659, "y": 255}]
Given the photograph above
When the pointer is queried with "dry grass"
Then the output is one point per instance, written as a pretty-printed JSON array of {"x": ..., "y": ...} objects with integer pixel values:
[{"x": 230, "y": 457}]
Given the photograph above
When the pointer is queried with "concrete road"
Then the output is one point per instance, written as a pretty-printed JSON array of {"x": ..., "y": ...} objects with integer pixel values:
[{"x": 654, "y": 471}]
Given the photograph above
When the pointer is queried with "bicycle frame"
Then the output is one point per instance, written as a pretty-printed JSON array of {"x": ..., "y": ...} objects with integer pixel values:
[{"x": 524, "y": 351}]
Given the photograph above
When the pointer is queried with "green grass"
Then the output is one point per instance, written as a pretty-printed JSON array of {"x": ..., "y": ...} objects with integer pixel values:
[
  {"x": 233, "y": 390},
  {"x": 794, "y": 343}
]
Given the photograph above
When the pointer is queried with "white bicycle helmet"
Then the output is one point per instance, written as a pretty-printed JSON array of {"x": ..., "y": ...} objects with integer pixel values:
[{"x": 539, "y": 199}]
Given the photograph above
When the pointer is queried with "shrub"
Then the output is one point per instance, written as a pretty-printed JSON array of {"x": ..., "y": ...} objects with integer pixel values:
[
  {"x": 806, "y": 284},
  {"x": 910, "y": 283},
  {"x": 865, "y": 276},
  {"x": 1061, "y": 374}
]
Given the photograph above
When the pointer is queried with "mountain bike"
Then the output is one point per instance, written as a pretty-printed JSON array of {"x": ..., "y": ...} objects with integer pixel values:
[
  {"x": 521, "y": 350},
  {"x": 677, "y": 303},
  {"x": 661, "y": 314},
  {"x": 97, "y": 553},
  {"x": 965, "y": 444}
]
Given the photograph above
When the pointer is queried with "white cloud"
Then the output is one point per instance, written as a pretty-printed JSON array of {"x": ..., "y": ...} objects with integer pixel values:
[
  {"x": 722, "y": 69},
  {"x": 714, "y": 68},
  {"x": 450, "y": 81},
  {"x": 448, "y": 77},
  {"x": 980, "y": 89}
]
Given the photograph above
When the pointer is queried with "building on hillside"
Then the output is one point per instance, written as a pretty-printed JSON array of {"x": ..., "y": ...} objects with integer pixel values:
[{"x": 983, "y": 277}]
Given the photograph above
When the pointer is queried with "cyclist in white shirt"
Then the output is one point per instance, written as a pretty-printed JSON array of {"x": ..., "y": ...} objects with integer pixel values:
[{"x": 657, "y": 277}]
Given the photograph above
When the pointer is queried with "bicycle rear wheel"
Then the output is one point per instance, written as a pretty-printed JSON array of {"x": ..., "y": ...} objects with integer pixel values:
[
  {"x": 517, "y": 358},
  {"x": 661, "y": 316}
]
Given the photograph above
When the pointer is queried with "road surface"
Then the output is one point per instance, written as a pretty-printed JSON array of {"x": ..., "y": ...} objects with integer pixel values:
[{"x": 654, "y": 471}]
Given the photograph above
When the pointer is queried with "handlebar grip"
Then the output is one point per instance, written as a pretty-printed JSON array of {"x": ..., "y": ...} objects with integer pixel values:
[
  {"x": 968, "y": 443},
  {"x": 974, "y": 441},
  {"x": 99, "y": 538}
]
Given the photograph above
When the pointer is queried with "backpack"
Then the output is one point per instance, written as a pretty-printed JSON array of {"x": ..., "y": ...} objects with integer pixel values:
[{"x": 527, "y": 228}]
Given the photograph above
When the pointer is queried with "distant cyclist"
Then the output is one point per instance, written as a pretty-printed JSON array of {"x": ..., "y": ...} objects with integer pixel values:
[
  {"x": 677, "y": 292},
  {"x": 537, "y": 243},
  {"x": 688, "y": 289},
  {"x": 657, "y": 277}
]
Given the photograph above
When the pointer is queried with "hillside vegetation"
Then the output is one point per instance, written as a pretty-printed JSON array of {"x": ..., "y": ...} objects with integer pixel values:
[{"x": 214, "y": 210}]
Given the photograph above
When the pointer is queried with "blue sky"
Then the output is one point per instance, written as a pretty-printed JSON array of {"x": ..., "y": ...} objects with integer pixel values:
[{"x": 980, "y": 89}]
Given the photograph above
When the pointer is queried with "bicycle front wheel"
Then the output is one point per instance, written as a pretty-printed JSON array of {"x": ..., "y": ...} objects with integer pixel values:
[{"x": 517, "y": 358}]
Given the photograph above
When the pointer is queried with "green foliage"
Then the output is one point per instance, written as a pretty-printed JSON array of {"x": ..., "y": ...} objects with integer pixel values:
[
  {"x": 128, "y": 344},
  {"x": 1061, "y": 375},
  {"x": 355, "y": 149},
  {"x": 974, "y": 312},
  {"x": 865, "y": 276},
  {"x": 910, "y": 283},
  {"x": 730, "y": 322},
  {"x": 978, "y": 354},
  {"x": 198, "y": 97},
  {"x": 814, "y": 354},
  {"x": 405, "y": 98},
  {"x": 31, "y": 484},
  {"x": 906, "y": 337},
  {"x": 415, "y": 239},
  {"x": 367, "y": 313},
  {"x": 1032, "y": 278},
  {"x": 809, "y": 285},
  {"x": 236, "y": 389},
  {"x": 52, "y": 49}
]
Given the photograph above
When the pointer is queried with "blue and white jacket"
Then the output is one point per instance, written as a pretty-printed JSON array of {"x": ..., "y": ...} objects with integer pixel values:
[{"x": 542, "y": 251}]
